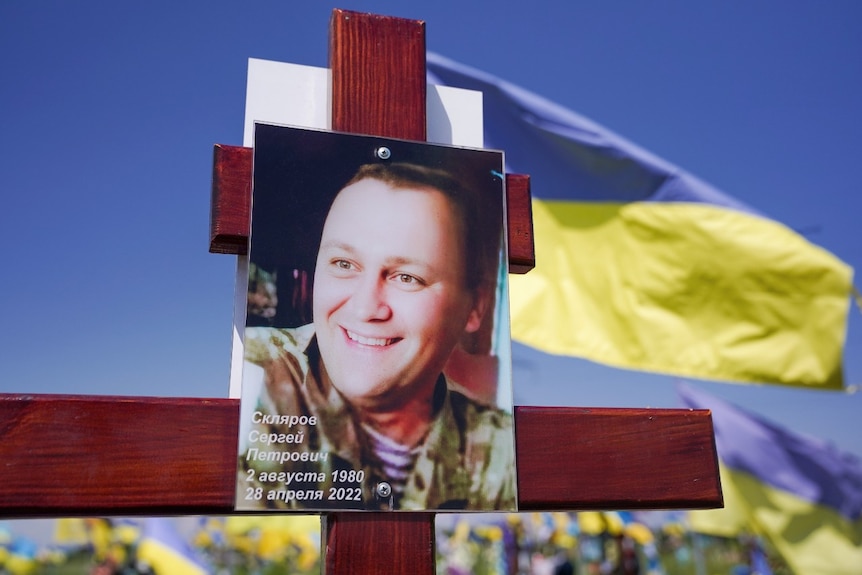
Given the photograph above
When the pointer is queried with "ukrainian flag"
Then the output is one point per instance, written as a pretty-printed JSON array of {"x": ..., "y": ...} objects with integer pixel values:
[
  {"x": 799, "y": 493},
  {"x": 165, "y": 551},
  {"x": 641, "y": 265}
]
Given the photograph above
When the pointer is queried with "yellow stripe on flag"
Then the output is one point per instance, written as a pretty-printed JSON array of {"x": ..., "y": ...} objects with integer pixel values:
[
  {"x": 167, "y": 561},
  {"x": 687, "y": 289},
  {"x": 812, "y": 539}
]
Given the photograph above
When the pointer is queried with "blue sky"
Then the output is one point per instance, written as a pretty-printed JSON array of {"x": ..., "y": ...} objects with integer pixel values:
[{"x": 109, "y": 111}]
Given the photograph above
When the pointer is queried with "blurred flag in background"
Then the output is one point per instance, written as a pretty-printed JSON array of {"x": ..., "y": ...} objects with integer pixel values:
[
  {"x": 801, "y": 494},
  {"x": 166, "y": 551}
]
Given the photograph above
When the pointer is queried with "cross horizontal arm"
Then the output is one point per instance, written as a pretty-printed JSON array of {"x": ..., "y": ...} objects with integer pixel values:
[
  {"x": 231, "y": 200},
  {"x": 85, "y": 455}
]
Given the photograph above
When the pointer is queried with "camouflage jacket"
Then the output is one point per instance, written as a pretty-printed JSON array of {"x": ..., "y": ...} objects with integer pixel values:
[{"x": 301, "y": 448}]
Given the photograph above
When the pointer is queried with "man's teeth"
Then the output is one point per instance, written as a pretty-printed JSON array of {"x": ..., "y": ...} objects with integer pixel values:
[{"x": 375, "y": 341}]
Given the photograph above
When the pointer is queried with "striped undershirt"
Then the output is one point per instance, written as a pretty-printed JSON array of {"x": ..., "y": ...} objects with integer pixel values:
[{"x": 394, "y": 461}]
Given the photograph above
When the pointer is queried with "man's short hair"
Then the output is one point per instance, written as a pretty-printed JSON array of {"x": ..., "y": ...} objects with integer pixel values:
[{"x": 479, "y": 218}]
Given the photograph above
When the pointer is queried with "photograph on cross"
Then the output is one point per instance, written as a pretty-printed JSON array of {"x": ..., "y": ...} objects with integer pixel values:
[{"x": 376, "y": 365}]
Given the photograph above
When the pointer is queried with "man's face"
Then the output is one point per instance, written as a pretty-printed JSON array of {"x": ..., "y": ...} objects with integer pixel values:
[{"x": 390, "y": 301}]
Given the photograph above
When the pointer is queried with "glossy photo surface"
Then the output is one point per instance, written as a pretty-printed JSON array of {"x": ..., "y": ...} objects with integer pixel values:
[{"x": 377, "y": 371}]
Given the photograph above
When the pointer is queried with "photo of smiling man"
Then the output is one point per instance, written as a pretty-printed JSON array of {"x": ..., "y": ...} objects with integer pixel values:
[{"x": 382, "y": 383}]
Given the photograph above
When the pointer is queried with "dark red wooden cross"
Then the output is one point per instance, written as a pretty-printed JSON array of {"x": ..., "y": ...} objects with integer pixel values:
[{"x": 95, "y": 456}]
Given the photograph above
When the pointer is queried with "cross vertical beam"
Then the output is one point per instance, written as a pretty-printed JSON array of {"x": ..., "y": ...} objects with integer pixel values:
[
  {"x": 378, "y": 88},
  {"x": 378, "y": 75}
]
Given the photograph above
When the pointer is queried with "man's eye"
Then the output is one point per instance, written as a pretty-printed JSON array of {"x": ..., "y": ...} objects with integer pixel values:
[
  {"x": 408, "y": 280},
  {"x": 343, "y": 264}
]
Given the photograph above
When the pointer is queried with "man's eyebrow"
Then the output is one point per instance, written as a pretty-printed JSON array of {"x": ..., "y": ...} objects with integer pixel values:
[
  {"x": 404, "y": 260},
  {"x": 338, "y": 245}
]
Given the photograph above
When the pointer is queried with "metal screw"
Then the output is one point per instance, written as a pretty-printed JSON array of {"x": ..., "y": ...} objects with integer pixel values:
[
  {"x": 384, "y": 489},
  {"x": 383, "y": 153}
]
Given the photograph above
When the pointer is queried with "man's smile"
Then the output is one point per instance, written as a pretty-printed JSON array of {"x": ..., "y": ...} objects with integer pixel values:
[{"x": 370, "y": 341}]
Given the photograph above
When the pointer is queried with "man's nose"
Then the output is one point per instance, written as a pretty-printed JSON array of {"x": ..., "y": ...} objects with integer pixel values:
[{"x": 369, "y": 300}]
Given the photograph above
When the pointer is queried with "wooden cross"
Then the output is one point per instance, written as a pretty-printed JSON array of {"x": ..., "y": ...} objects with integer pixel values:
[{"x": 101, "y": 456}]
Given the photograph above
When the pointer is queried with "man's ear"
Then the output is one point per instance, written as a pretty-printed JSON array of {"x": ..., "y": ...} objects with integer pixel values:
[{"x": 480, "y": 304}]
